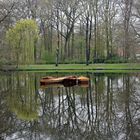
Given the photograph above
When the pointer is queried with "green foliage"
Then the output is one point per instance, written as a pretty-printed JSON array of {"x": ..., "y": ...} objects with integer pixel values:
[
  {"x": 22, "y": 38},
  {"x": 23, "y": 101},
  {"x": 79, "y": 50},
  {"x": 112, "y": 59},
  {"x": 115, "y": 59},
  {"x": 48, "y": 57},
  {"x": 100, "y": 47}
]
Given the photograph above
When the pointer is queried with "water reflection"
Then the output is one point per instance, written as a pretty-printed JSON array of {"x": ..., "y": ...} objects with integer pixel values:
[
  {"x": 109, "y": 108},
  {"x": 23, "y": 100}
]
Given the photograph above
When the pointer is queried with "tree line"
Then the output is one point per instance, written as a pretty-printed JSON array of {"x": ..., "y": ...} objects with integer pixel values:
[{"x": 69, "y": 31}]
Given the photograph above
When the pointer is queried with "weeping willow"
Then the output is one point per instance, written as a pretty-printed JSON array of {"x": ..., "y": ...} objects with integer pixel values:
[{"x": 22, "y": 39}]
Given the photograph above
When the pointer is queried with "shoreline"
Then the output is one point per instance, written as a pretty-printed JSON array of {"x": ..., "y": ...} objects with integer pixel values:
[{"x": 122, "y": 67}]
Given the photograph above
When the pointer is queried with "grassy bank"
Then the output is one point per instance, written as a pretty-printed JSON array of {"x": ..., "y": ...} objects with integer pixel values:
[
  {"x": 114, "y": 68},
  {"x": 81, "y": 67}
]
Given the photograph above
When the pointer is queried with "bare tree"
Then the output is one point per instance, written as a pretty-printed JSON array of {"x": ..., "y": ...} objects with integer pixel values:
[{"x": 127, "y": 16}]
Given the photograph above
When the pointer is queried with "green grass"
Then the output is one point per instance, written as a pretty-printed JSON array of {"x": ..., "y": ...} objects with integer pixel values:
[{"x": 81, "y": 67}]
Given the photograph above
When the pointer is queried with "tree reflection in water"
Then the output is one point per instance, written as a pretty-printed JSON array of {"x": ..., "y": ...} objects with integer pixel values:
[
  {"x": 23, "y": 100},
  {"x": 108, "y": 109}
]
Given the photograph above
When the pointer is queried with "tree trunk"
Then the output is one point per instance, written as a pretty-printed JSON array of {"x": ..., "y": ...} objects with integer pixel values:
[
  {"x": 58, "y": 39},
  {"x": 128, "y": 7},
  {"x": 95, "y": 30},
  {"x": 107, "y": 27},
  {"x": 87, "y": 39}
]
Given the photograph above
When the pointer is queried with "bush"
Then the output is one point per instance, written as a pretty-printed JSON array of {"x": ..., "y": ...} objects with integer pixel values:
[
  {"x": 48, "y": 58},
  {"x": 116, "y": 61},
  {"x": 99, "y": 60},
  {"x": 111, "y": 59}
]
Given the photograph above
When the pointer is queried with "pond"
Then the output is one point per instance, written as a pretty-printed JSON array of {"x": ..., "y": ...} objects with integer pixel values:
[{"x": 107, "y": 109}]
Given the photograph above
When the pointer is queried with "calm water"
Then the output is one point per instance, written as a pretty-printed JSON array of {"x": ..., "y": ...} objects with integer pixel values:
[{"x": 109, "y": 109}]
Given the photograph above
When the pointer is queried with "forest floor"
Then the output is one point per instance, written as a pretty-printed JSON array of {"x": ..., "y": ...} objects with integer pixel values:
[{"x": 123, "y": 67}]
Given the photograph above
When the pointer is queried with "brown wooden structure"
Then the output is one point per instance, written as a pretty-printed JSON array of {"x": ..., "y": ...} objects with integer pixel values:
[{"x": 65, "y": 81}]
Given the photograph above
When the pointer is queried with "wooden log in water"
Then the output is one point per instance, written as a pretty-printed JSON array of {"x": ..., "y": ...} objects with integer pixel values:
[
  {"x": 66, "y": 81},
  {"x": 83, "y": 80}
]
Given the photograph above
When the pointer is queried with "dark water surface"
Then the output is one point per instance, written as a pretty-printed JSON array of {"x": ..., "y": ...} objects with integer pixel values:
[{"x": 109, "y": 109}]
